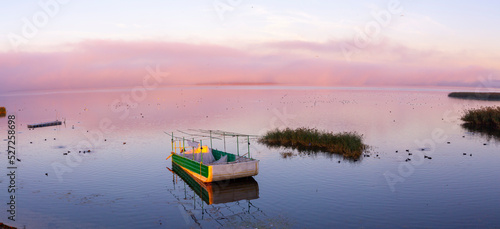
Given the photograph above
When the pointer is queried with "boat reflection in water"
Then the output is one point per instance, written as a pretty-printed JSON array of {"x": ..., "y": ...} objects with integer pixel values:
[{"x": 229, "y": 202}]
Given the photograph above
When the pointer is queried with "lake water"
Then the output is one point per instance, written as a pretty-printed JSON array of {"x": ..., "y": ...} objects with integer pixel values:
[{"x": 125, "y": 181}]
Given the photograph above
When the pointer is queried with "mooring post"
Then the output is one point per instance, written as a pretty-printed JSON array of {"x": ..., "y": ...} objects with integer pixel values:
[
  {"x": 201, "y": 153},
  {"x": 248, "y": 139},
  {"x": 172, "y": 141},
  {"x": 237, "y": 145}
]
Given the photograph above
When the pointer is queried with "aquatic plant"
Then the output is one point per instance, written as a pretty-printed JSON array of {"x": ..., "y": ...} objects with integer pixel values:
[
  {"x": 487, "y": 118},
  {"x": 484, "y": 121},
  {"x": 347, "y": 144},
  {"x": 286, "y": 155},
  {"x": 5, "y": 226},
  {"x": 492, "y": 96}
]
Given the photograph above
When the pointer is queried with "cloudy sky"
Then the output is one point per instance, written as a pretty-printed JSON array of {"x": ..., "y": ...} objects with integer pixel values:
[{"x": 68, "y": 44}]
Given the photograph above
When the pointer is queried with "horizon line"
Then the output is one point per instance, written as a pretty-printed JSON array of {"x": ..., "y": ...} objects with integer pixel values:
[{"x": 255, "y": 86}]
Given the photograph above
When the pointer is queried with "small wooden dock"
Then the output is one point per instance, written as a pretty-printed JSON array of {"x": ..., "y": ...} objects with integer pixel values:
[{"x": 45, "y": 124}]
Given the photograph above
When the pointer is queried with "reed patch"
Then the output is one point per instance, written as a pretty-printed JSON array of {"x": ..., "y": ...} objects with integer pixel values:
[{"x": 348, "y": 144}]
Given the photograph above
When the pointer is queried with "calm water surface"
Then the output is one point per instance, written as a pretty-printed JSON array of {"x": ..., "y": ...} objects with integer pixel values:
[{"x": 125, "y": 181}]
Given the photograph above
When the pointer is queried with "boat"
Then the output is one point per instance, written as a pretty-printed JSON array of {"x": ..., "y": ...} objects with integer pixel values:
[{"x": 207, "y": 164}]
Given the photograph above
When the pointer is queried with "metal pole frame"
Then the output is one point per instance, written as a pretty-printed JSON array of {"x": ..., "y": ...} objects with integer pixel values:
[
  {"x": 211, "y": 146},
  {"x": 224, "y": 135},
  {"x": 172, "y": 141}
]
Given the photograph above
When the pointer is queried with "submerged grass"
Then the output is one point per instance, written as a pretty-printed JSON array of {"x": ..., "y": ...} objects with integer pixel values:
[
  {"x": 347, "y": 144},
  {"x": 487, "y": 118},
  {"x": 491, "y": 96},
  {"x": 286, "y": 155}
]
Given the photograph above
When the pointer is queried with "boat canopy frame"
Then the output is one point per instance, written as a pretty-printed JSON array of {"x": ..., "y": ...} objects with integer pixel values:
[{"x": 179, "y": 143}]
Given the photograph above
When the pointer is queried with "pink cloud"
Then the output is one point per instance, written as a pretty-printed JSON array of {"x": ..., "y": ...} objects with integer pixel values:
[{"x": 102, "y": 63}]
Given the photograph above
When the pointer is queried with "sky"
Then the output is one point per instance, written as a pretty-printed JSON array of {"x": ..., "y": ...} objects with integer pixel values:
[{"x": 68, "y": 44}]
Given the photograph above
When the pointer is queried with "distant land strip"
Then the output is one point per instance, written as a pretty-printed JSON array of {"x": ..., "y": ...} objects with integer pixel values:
[{"x": 490, "y": 96}]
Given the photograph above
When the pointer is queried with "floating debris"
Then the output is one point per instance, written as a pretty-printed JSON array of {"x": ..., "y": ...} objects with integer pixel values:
[
  {"x": 3, "y": 112},
  {"x": 45, "y": 124}
]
